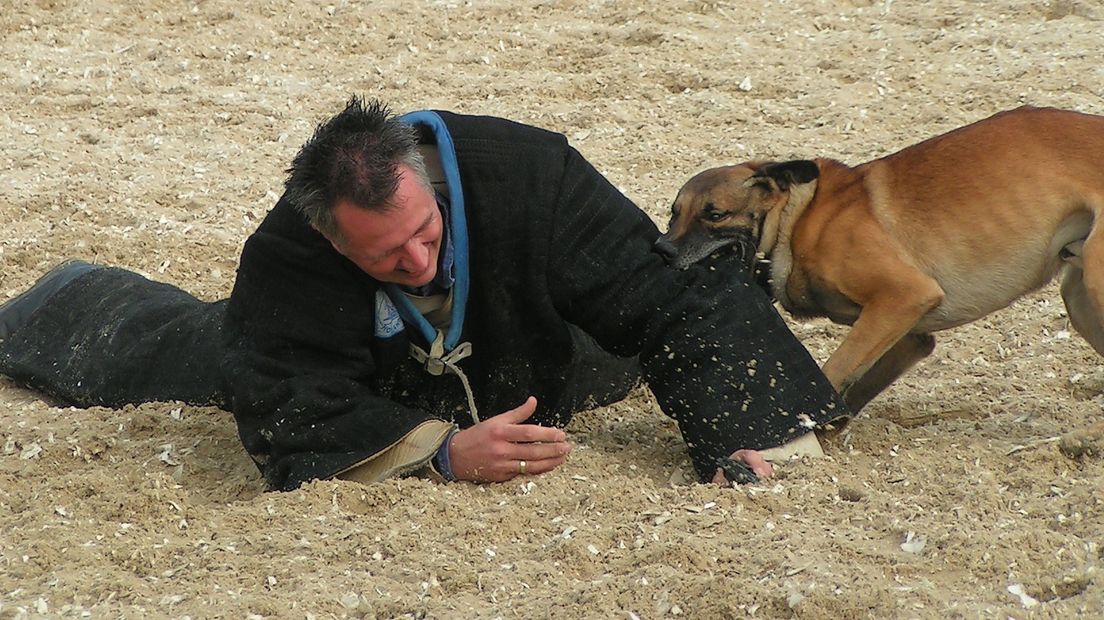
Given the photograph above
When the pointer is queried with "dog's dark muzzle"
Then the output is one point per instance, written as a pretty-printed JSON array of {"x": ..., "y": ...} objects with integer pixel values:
[
  {"x": 743, "y": 245},
  {"x": 665, "y": 248},
  {"x": 696, "y": 247}
]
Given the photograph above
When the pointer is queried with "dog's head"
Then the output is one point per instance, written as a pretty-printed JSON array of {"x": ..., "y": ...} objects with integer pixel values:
[{"x": 731, "y": 206}]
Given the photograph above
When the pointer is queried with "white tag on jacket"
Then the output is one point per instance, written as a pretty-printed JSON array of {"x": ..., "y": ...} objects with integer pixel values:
[{"x": 388, "y": 321}]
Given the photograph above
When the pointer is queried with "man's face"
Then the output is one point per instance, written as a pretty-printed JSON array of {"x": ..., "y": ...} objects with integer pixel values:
[{"x": 399, "y": 245}]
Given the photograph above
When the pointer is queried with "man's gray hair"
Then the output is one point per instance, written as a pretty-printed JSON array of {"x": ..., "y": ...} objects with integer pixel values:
[{"x": 355, "y": 156}]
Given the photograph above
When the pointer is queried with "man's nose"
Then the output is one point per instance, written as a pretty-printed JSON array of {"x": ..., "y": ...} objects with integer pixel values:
[{"x": 416, "y": 257}]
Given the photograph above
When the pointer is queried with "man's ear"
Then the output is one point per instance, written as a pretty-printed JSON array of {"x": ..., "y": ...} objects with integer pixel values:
[{"x": 781, "y": 176}]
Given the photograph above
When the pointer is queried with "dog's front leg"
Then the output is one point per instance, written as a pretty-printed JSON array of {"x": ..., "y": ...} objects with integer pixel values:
[
  {"x": 881, "y": 325},
  {"x": 911, "y": 348}
]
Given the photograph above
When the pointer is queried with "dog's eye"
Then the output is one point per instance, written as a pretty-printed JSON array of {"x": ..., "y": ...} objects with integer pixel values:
[{"x": 715, "y": 216}]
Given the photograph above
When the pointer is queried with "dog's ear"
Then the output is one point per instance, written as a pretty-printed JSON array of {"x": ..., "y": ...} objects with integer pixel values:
[{"x": 781, "y": 176}]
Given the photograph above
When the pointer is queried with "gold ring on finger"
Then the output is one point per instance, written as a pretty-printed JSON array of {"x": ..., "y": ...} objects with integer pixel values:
[{"x": 523, "y": 467}]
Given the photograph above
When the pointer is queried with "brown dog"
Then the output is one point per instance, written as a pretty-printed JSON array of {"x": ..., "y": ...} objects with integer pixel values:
[{"x": 934, "y": 236}]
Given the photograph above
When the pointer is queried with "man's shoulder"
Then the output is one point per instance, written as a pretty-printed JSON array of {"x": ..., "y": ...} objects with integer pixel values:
[
  {"x": 284, "y": 220},
  {"x": 472, "y": 128},
  {"x": 284, "y": 233}
]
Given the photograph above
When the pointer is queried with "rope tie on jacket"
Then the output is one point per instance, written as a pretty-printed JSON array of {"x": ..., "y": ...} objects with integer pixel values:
[{"x": 436, "y": 362}]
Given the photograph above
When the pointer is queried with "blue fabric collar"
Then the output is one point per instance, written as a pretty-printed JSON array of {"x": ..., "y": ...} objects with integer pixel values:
[{"x": 457, "y": 238}]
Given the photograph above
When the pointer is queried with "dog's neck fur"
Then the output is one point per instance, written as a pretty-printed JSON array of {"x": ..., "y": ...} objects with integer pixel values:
[{"x": 779, "y": 253}]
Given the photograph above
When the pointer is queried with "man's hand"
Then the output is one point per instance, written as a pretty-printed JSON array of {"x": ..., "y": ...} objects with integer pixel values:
[
  {"x": 752, "y": 459},
  {"x": 494, "y": 449}
]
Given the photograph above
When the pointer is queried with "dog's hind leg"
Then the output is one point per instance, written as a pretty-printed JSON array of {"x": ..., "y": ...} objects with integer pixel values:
[
  {"x": 1082, "y": 310},
  {"x": 1083, "y": 287},
  {"x": 900, "y": 357}
]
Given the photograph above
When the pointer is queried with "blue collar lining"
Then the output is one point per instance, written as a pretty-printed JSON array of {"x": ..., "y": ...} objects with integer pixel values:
[{"x": 458, "y": 233}]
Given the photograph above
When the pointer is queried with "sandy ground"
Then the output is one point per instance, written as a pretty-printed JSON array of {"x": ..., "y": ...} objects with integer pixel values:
[{"x": 153, "y": 135}]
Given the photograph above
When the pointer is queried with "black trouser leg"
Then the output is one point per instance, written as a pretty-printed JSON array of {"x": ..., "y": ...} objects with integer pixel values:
[{"x": 113, "y": 337}]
